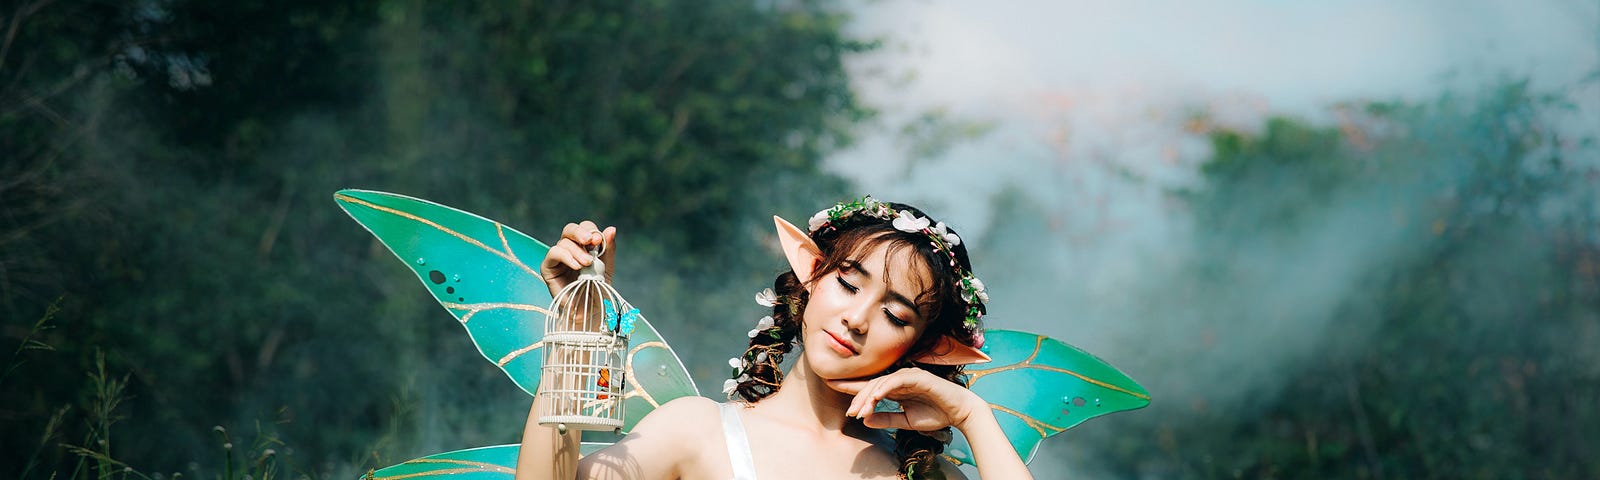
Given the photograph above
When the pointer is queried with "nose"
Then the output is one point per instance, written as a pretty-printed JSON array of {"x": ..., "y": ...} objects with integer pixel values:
[{"x": 857, "y": 317}]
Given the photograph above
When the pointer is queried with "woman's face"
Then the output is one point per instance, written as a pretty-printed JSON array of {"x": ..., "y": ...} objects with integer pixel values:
[{"x": 861, "y": 318}]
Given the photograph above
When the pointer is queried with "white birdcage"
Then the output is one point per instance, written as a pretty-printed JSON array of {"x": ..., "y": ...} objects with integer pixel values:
[{"x": 585, "y": 347}]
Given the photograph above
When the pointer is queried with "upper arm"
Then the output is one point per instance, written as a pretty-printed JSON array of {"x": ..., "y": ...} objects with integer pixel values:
[{"x": 656, "y": 448}]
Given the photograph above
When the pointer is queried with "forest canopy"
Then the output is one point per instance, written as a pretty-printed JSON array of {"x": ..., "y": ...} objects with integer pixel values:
[{"x": 167, "y": 197}]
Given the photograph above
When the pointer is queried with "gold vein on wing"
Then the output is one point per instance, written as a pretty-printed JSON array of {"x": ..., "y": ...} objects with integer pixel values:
[
  {"x": 507, "y": 254},
  {"x": 633, "y": 386},
  {"x": 473, "y": 308},
  {"x": 448, "y": 471},
  {"x": 481, "y": 465},
  {"x": 974, "y": 375},
  {"x": 517, "y": 353},
  {"x": 1044, "y": 429}
]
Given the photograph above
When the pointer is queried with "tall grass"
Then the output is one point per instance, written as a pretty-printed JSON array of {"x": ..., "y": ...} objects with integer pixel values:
[{"x": 92, "y": 425}]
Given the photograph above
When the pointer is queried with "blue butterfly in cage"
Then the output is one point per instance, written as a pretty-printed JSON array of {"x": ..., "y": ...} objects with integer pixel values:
[{"x": 623, "y": 324}]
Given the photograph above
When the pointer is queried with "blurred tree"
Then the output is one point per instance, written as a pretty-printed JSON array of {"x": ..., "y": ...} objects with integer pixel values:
[{"x": 167, "y": 169}]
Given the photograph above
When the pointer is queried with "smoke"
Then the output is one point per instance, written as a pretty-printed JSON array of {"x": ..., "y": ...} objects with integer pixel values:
[
  {"x": 1101, "y": 237},
  {"x": 1081, "y": 197}
]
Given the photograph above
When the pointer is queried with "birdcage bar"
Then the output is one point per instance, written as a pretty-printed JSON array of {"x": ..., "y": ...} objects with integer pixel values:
[{"x": 583, "y": 376}]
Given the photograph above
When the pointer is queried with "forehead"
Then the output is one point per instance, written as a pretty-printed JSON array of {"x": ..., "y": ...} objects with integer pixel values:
[{"x": 895, "y": 263}]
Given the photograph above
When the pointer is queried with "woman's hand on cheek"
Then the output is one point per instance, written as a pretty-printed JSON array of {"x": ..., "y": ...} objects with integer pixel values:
[{"x": 927, "y": 402}]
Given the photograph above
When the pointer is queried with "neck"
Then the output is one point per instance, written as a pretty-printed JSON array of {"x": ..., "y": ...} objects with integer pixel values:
[{"x": 803, "y": 393}]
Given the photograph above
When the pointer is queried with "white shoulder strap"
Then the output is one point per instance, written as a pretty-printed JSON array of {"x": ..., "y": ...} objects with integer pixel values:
[{"x": 744, "y": 466}]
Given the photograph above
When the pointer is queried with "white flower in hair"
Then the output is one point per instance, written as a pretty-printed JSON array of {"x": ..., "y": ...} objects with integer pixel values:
[
  {"x": 983, "y": 293},
  {"x": 818, "y": 220},
  {"x": 907, "y": 222},
  {"x": 765, "y": 323},
  {"x": 949, "y": 237},
  {"x": 735, "y": 362},
  {"x": 767, "y": 298},
  {"x": 730, "y": 384}
]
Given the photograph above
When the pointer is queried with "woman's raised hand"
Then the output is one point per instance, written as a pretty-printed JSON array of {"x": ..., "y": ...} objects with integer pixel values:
[
  {"x": 930, "y": 403},
  {"x": 927, "y": 402},
  {"x": 569, "y": 255}
]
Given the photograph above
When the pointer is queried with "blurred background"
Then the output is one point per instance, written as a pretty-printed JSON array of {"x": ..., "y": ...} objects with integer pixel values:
[{"x": 1334, "y": 240}]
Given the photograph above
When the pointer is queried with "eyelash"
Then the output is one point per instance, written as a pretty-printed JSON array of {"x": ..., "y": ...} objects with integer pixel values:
[
  {"x": 895, "y": 320},
  {"x": 853, "y": 289}
]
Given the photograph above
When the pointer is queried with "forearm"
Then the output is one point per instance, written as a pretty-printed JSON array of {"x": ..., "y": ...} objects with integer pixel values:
[
  {"x": 546, "y": 453},
  {"x": 990, "y": 448}
]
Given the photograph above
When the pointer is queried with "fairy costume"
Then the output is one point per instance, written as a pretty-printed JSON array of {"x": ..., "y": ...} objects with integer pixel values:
[
  {"x": 740, "y": 460},
  {"x": 475, "y": 268}
]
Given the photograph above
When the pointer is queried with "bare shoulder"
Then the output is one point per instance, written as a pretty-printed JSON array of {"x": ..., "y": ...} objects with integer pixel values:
[
  {"x": 677, "y": 415},
  {"x": 665, "y": 444}
]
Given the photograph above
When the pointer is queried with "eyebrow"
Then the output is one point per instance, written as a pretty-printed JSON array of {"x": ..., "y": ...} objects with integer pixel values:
[{"x": 893, "y": 295}]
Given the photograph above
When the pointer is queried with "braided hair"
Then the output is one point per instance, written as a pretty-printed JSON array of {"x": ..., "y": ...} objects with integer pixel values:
[{"x": 843, "y": 242}]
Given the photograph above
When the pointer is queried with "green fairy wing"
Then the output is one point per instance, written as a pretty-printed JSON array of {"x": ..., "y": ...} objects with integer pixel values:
[
  {"x": 1039, "y": 386},
  {"x": 498, "y": 462},
  {"x": 483, "y": 463},
  {"x": 486, "y": 275}
]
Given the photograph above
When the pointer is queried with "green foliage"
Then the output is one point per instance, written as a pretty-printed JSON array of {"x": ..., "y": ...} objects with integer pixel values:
[{"x": 169, "y": 166}]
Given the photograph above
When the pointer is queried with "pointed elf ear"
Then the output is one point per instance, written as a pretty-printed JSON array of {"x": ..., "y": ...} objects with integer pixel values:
[
  {"x": 804, "y": 255},
  {"x": 951, "y": 352}
]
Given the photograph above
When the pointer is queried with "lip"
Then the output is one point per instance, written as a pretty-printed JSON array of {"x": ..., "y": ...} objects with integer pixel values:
[{"x": 840, "y": 345}]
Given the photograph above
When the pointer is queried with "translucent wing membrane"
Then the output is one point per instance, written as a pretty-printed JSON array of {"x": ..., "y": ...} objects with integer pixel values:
[
  {"x": 498, "y": 462},
  {"x": 1039, "y": 386},
  {"x": 655, "y": 375},
  {"x": 484, "y": 273},
  {"x": 484, "y": 463}
]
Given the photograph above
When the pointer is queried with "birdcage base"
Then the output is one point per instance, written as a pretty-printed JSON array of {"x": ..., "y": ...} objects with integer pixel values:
[
  {"x": 583, "y": 339},
  {"x": 580, "y": 422}
]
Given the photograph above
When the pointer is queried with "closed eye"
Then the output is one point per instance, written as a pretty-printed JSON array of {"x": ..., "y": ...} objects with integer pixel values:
[
  {"x": 896, "y": 320},
  {"x": 847, "y": 286}
]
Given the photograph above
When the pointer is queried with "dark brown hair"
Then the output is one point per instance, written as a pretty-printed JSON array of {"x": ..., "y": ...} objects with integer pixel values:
[{"x": 847, "y": 240}]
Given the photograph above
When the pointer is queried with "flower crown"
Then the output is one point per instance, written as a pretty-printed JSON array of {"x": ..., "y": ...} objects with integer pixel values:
[{"x": 939, "y": 236}]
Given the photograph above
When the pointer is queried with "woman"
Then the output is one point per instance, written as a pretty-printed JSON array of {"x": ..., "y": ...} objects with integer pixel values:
[{"x": 886, "y": 305}]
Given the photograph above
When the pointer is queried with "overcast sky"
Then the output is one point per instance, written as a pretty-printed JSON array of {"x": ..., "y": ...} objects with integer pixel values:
[{"x": 1066, "y": 82}]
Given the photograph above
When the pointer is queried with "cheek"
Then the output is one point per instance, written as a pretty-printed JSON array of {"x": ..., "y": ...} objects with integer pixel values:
[{"x": 899, "y": 344}]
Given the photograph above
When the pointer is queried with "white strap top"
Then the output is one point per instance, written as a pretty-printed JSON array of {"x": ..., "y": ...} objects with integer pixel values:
[{"x": 744, "y": 466}]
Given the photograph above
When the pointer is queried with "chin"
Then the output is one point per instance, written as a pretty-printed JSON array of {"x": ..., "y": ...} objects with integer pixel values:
[
  {"x": 824, "y": 368},
  {"x": 827, "y": 366}
]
